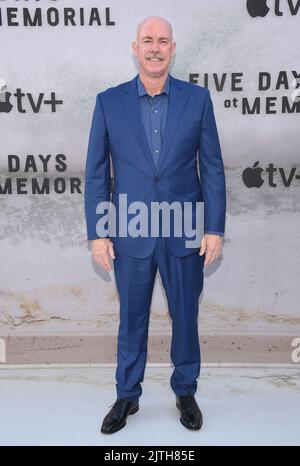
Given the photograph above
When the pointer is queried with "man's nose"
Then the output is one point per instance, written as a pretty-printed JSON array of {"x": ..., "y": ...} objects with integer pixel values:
[{"x": 154, "y": 47}]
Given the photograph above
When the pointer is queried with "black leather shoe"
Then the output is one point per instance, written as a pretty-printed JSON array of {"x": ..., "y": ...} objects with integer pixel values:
[
  {"x": 191, "y": 416},
  {"x": 116, "y": 417}
]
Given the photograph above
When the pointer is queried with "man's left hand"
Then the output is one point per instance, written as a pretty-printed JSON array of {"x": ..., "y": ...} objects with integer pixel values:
[{"x": 211, "y": 245}]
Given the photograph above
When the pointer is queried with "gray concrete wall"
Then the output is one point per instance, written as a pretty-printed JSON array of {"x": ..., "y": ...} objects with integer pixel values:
[{"x": 49, "y": 287}]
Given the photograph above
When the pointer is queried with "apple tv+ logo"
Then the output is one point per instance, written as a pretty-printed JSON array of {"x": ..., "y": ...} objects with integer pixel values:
[
  {"x": 252, "y": 176},
  {"x": 260, "y": 7},
  {"x": 22, "y": 99},
  {"x": 5, "y": 105}
]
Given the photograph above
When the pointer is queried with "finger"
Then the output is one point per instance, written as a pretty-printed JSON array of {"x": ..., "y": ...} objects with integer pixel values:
[
  {"x": 98, "y": 260},
  {"x": 104, "y": 265},
  {"x": 202, "y": 247},
  {"x": 214, "y": 257},
  {"x": 202, "y": 250},
  {"x": 208, "y": 258},
  {"x": 111, "y": 251},
  {"x": 218, "y": 254},
  {"x": 101, "y": 263},
  {"x": 106, "y": 262},
  {"x": 95, "y": 258}
]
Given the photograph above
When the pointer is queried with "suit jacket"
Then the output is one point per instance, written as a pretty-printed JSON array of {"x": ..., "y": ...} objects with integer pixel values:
[{"x": 117, "y": 136}]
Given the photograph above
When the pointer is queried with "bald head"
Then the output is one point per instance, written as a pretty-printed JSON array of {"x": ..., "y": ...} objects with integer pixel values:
[{"x": 154, "y": 21}]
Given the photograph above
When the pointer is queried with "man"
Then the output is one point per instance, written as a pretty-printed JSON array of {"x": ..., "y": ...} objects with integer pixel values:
[{"x": 153, "y": 127}]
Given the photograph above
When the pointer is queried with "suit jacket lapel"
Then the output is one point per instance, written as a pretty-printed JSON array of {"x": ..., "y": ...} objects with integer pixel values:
[
  {"x": 133, "y": 112},
  {"x": 177, "y": 102}
]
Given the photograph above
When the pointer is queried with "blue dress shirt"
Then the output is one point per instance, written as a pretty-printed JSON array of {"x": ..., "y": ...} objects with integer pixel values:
[{"x": 154, "y": 115}]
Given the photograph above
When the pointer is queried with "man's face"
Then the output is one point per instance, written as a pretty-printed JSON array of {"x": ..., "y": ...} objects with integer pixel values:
[{"x": 154, "y": 48}]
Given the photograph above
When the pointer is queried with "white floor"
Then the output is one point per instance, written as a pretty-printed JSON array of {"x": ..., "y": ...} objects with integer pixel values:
[{"x": 66, "y": 405}]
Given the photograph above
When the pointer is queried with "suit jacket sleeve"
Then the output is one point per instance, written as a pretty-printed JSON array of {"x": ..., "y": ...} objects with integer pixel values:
[
  {"x": 212, "y": 173},
  {"x": 97, "y": 170}
]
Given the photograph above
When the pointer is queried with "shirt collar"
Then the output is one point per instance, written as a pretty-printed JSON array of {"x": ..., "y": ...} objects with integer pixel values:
[{"x": 142, "y": 91}]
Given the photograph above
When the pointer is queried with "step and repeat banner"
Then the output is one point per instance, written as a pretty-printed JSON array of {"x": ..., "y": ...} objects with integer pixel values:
[{"x": 55, "y": 56}]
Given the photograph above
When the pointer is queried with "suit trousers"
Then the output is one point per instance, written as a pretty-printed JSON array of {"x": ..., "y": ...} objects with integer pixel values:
[{"x": 182, "y": 279}]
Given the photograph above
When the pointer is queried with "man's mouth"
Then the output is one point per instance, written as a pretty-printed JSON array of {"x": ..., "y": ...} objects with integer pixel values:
[{"x": 154, "y": 59}]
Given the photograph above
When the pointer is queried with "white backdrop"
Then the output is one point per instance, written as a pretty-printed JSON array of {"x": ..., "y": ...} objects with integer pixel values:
[{"x": 48, "y": 283}]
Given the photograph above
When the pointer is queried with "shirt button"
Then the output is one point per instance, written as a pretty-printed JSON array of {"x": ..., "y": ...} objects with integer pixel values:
[
  {"x": 156, "y": 150},
  {"x": 156, "y": 130},
  {"x": 155, "y": 111}
]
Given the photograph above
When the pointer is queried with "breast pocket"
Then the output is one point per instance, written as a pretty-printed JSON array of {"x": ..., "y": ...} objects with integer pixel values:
[{"x": 189, "y": 126}]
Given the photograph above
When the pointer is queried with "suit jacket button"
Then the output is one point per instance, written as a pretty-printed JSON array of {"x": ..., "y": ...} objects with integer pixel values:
[{"x": 156, "y": 179}]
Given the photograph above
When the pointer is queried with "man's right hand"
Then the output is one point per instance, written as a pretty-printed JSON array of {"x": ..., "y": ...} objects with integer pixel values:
[{"x": 102, "y": 248}]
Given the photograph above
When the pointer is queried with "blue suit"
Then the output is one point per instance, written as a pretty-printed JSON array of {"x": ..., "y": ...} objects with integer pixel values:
[{"x": 117, "y": 129}]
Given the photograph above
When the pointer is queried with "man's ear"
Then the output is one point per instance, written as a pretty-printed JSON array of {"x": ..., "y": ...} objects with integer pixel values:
[
  {"x": 133, "y": 46},
  {"x": 174, "y": 49}
]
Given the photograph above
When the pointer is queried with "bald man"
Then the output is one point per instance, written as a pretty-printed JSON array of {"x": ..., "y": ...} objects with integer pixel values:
[{"x": 154, "y": 127}]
